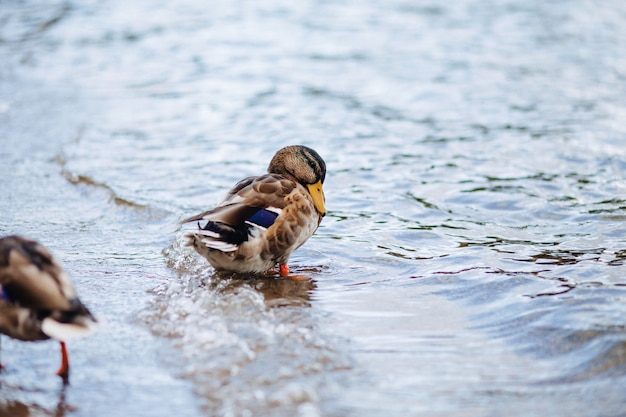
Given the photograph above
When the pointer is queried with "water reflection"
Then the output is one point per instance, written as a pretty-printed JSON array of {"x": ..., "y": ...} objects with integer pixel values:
[
  {"x": 276, "y": 291},
  {"x": 16, "y": 408}
]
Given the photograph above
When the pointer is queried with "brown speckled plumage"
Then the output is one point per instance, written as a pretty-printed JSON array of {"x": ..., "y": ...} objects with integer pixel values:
[
  {"x": 38, "y": 300},
  {"x": 291, "y": 190}
]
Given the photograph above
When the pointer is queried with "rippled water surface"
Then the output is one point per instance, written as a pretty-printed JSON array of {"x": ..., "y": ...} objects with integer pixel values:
[{"x": 472, "y": 260}]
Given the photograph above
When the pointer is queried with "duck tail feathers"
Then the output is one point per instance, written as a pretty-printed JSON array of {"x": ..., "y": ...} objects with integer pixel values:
[
  {"x": 218, "y": 235},
  {"x": 79, "y": 327}
]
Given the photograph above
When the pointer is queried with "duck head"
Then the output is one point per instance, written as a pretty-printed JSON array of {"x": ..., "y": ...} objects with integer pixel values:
[{"x": 303, "y": 165}]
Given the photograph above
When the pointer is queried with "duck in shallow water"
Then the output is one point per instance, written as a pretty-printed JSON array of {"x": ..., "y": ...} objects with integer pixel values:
[
  {"x": 37, "y": 298},
  {"x": 263, "y": 219}
]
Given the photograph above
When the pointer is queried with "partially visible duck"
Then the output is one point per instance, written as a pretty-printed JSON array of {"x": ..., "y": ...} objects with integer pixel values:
[
  {"x": 263, "y": 219},
  {"x": 37, "y": 298}
]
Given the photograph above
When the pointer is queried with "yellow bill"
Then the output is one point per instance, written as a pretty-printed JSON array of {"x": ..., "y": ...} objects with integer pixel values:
[{"x": 318, "y": 196}]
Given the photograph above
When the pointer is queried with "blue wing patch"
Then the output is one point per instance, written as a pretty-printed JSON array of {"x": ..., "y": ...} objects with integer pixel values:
[
  {"x": 263, "y": 218},
  {"x": 3, "y": 295}
]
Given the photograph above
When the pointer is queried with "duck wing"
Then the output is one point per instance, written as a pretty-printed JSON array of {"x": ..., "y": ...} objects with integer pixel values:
[{"x": 254, "y": 202}]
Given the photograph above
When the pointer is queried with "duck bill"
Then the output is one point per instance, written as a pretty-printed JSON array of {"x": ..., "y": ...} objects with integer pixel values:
[{"x": 318, "y": 196}]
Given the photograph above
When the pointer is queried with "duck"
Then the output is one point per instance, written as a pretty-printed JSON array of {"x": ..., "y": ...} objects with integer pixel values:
[
  {"x": 37, "y": 298},
  {"x": 263, "y": 219}
]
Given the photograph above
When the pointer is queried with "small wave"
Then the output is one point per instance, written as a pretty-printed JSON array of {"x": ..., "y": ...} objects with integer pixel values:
[
  {"x": 80, "y": 179},
  {"x": 241, "y": 351}
]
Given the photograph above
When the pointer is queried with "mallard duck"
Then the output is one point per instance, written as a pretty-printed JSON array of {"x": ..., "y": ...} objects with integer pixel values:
[
  {"x": 263, "y": 219},
  {"x": 37, "y": 298}
]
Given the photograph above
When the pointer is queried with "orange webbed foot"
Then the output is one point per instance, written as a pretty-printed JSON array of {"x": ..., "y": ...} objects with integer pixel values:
[{"x": 284, "y": 272}]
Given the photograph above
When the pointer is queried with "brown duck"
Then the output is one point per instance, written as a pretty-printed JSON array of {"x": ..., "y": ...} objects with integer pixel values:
[
  {"x": 263, "y": 219},
  {"x": 37, "y": 298}
]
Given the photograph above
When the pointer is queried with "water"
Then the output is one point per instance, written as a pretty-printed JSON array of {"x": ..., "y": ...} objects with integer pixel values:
[{"x": 472, "y": 260}]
